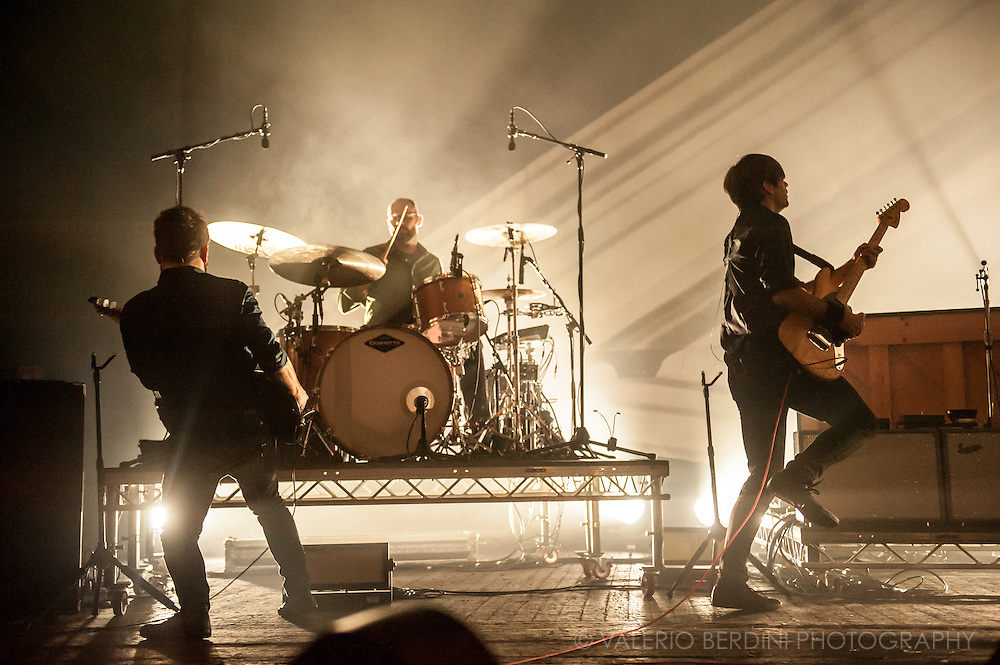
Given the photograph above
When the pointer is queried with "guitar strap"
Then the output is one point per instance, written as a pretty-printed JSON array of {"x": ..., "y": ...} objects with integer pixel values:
[{"x": 811, "y": 258}]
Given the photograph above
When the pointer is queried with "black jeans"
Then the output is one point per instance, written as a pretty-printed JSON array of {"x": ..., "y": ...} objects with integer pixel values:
[
  {"x": 188, "y": 490},
  {"x": 765, "y": 387}
]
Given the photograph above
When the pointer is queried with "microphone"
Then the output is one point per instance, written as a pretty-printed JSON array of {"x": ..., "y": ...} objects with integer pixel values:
[
  {"x": 520, "y": 270},
  {"x": 456, "y": 268},
  {"x": 265, "y": 139},
  {"x": 511, "y": 131}
]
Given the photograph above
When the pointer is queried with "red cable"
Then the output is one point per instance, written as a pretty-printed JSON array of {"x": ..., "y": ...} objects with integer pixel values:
[{"x": 760, "y": 491}]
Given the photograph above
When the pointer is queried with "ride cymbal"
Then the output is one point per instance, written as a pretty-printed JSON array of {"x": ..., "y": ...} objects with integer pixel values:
[
  {"x": 508, "y": 294},
  {"x": 251, "y": 238},
  {"x": 326, "y": 265},
  {"x": 509, "y": 234}
]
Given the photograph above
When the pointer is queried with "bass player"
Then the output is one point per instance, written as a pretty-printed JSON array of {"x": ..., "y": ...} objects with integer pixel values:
[{"x": 764, "y": 378}]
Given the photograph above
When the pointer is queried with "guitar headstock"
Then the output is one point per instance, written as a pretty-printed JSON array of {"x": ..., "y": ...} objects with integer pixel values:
[
  {"x": 107, "y": 308},
  {"x": 889, "y": 214}
]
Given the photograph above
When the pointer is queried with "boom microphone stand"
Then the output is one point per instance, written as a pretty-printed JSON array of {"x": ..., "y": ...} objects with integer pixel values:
[
  {"x": 578, "y": 153},
  {"x": 181, "y": 155},
  {"x": 983, "y": 285}
]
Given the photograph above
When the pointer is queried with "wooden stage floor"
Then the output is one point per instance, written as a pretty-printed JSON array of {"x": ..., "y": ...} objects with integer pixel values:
[{"x": 530, "y": 610}]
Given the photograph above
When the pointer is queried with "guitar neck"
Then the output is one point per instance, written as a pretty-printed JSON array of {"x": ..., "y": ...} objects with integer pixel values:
[{"x": 850, "y": 282}]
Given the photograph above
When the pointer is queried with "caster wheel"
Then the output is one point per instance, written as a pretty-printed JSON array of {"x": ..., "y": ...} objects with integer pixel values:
[
  {"x": 119, "y": 601},
  {"x": 648, "y": 584},
  {"x": 602, "y": 569},
  {"x": 551, "y": 557},
  {"x": 589, "y": 567}
]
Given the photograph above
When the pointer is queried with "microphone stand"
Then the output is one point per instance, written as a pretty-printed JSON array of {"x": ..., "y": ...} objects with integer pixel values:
[
  {"x": 181, "y": 155},
  {"x": 578, "y": 154},
  {"x": 983, "y": 285}
]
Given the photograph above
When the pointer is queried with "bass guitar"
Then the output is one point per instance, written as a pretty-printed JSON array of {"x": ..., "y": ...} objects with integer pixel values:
[{"x": 817, "y": 349}]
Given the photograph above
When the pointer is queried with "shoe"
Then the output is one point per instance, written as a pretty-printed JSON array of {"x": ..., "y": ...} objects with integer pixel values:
[
  {"x": 800, "y": 494},
  {"x": 298, "y": 608},
  {"x": 738, "y": 596},
  {"x": 181, "y": 626}
]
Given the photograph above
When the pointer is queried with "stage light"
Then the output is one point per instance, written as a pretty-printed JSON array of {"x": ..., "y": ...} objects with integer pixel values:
[
  {"x": 626, "y": 512},
  {"x": 158, "y": 518}
]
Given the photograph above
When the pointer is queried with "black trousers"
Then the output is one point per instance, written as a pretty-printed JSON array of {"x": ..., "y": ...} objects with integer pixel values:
[
  {"x": 188, "y": 491},
  {"x": 765, "y": 387}
]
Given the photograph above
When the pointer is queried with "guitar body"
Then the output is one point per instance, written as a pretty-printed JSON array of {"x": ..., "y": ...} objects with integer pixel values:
[
  {"x": 817, "y": 350},
  {"x": 797, "y": 334}
]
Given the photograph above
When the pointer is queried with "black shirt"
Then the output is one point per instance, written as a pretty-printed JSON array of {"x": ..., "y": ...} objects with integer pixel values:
[
  {"x": 760, "y": 262},
  {"x": 390, "y": 299},
  {"x": 197, "y": 339}
]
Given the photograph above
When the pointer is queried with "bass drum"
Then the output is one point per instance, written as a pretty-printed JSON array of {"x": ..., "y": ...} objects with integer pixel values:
[
  {"x": 307, "y": 348},
  {"x": 368, "y": 389}
]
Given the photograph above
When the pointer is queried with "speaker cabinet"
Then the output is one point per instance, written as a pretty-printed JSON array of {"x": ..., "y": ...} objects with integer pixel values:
[
  {"x": 41, "y": 496},
  {"x": 894, "y": 476},
  {"x": 973, "y": 462}
]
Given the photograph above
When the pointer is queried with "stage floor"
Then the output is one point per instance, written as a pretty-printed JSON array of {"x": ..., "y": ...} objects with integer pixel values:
[{"x": 530, "y": 610}]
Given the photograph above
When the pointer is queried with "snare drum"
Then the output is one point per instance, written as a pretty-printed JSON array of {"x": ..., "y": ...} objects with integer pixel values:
[
  {"x": 308, "y": 346},
  {"x": 368, "y": 389},
  {"x": 450, "y": 309}
]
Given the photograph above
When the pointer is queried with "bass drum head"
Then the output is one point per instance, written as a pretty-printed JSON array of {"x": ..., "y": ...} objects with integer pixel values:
[{"x": 368, "y": 389}]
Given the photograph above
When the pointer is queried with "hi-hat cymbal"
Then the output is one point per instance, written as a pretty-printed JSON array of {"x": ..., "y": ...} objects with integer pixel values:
[
  {"x": 252, "y": 238},
  {"x": 508, "y": 294},
  {"x": 326, "y": 265},
  {"x": 509, "y": 234}
]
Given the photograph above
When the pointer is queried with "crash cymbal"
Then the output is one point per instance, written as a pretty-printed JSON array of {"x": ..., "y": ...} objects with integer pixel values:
[
  {"x": 509, "y": 234},
  {"x": 508, "y": 294},
  {"x": 251, "y": 238},
  {"x": 326, "y": 265}
]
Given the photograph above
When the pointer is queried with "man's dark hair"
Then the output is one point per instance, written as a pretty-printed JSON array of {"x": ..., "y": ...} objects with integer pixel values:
[
  {"x": 745, "y": 179},
  {"x": 179, "y": 233}
]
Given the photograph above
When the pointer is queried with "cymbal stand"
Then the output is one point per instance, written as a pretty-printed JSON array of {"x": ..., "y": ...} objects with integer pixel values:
[
  {"x": 181, "y": 155},
  {"x": 572, "y": 325},
  {"x": 252, "y": 261}
]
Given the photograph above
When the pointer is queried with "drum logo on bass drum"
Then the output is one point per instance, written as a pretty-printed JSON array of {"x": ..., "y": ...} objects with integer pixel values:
[{"x": 384, "y": 343}]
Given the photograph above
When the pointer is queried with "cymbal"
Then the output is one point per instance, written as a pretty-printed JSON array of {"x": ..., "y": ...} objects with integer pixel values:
[
  {"x": 509, "y": 234},
  {"x": 508, "y": 294},
  {"x": 243, "y": 237},
  {"x": 326, "y": 265}
]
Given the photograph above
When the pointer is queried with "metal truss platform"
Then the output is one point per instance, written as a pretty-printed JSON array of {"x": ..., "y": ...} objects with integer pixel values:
[
  {"x": 131, "y": 490},
  {"x": 882, "y": 545}
]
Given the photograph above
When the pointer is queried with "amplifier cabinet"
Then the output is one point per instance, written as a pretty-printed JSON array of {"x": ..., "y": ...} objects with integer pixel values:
[
  {"x": 972, "y": 460},
  {"x": 894, "y": 476}
]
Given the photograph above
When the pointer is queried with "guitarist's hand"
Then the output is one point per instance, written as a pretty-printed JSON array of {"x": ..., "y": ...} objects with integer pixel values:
[
  {"x": 867, "y": 254},
  {"x": 852, "y": 323}
]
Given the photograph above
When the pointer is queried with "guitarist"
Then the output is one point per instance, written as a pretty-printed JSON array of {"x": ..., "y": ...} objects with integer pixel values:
[
  {"x": 764, "y": 378},
  {"x": 196, "y": 340}
]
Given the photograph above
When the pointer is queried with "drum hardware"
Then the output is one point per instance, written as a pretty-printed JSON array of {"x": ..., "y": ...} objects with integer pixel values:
[
  {"x": 253, "y": 240},
  {"x": 370, "y": 389},
  {"x": 510, "y": 234},
  {"x": 507, "y": 294},
  {"x": 519, "y": 403},
  {"x": 450, "y": 309},
  {"x": 326, "y": 266}
]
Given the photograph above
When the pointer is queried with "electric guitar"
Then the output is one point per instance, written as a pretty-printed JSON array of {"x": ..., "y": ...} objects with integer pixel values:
[
  {"x": 819, "y": 350},
  {"x": 277, "y": 407}
]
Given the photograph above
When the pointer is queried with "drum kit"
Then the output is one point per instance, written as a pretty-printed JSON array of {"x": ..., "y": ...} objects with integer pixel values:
[{"x": 386, "y": 391}]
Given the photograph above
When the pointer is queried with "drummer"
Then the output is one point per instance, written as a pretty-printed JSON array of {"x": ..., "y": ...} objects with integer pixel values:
[{"x": 389, "y": 300}]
